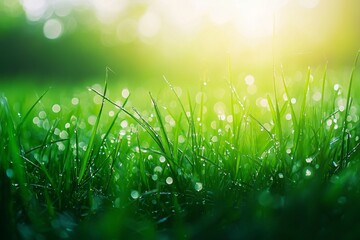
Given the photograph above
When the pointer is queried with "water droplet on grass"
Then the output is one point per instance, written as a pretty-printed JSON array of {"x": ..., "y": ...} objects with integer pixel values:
[
  {"x": 56, "y": 108},
  {"x": 61, "y": 146},
  {"x": 135, "y": 194},
  {"x": 117, "y": 203},
  {"x": 329, "y": 122},
  {"x": 198, "y": 186},
  {"x": 92, "y": 120},
  {"x": 97, "y": 99},
  {"x": 125, "y": 93},
  {"x": 42, "y": 114},
  {"x": 214, "y": 139},
  {"x": 158, "y": 169},
  {"x": 169, "y": 180},
  {"x": 63, "y": 134},
  {"x": 162, "y": 159},
  {"x": 36, "y": 120},
  {"x": 56, "y": 131},
  {"x": 9, "y": 173},
  {"x": 316, "y": 96},
  {"x": 249, "y": 80},
  {"x": 74, "y": 101},
  {"x": 181, "y": 139}
]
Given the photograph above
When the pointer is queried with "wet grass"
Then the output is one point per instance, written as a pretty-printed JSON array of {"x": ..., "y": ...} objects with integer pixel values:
[{"x": 221, "y": 162}]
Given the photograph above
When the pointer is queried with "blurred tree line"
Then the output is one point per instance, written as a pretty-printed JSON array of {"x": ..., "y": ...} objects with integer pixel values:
[{"x": 330, "y": 33}]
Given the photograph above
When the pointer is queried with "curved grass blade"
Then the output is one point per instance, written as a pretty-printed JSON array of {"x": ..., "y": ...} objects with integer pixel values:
[
  {"x": 347, "y": 108},
  {"x": 31, "y": 108},
  {"x": 90, "y": 147}
]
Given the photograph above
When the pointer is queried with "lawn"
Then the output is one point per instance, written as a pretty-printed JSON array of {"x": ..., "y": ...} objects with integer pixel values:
[
  {"x": 208, "y": 161},
  {"x": 179, "y": 119}
]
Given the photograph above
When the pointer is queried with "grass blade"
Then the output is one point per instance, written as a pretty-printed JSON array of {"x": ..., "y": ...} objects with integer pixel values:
[
  {"x": 90, "y": 147},
  {"x": 347, "y": 108}
]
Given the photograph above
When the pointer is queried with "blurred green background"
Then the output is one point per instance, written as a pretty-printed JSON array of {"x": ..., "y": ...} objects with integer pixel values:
[{"x": 185, "y": 40}]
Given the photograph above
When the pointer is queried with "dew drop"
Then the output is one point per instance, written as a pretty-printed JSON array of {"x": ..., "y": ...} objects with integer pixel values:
[
  {"x": 74, "y": 101},
  {"x": 125, "y": 93},
  {"x": 135, "y": 194},
  {"x": 162, "y": 159},
  {"x": 56, "y": 108},
  {"x": 42, "y": 114},
  {"x": 154, "y": 177},
  {"x": 158, "y": 169},
  {"x": 198, "y": 186},
  {"x": 9, "y": 173},
  {"x": 249, "y": 80},
  {"x": 36, "y": 120},
  {"x": 169, "y": 180}
]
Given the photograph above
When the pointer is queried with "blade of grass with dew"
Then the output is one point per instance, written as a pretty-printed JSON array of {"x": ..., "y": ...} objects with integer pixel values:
[
  {"x": 237, "y": 126},
  {"x": 293, "y": 115},
  {"x": 167, "y": 145},
  {"x": 177, "y": 96},
  {"x": 30, "y": 110},
  {"x": 192, "y": 135},
  {"x": 142, "y": 167},
  {"x": 112, "y": 124},
  {"x": 140, "y": 120},
  {"x": 301, "y": 123},
  {"x": 12, "y": 151},
  {"x": 115, "y": 156},
  {"x": 150, "y": 130},
  {"x": 277, "y": 119},
  {"x": 87, "y": 156},
  {"x": 116, "y": 150},
  {"x": 323, "y": 92},
  {"x": 190, "y": 126},
  {"x": 347, "y": 108},
  {"x": 167, "y": 149}
]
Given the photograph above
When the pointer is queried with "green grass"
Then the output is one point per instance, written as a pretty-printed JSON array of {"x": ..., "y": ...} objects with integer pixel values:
[{"x": 218, "y": 162}]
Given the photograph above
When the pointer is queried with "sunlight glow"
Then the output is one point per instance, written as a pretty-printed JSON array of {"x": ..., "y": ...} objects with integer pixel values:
[
  {"x": 149, "y": 24},
  {"x": 53, "y": 29},
  {"x": 140, "y": 20},
  {"x": 34, "y": 9},
  {"x": 255, "y": 19},
  {"x": 308, "y": 3},
  {"x": 249, "y": 18},
  {"x": 108, "y": 10}
]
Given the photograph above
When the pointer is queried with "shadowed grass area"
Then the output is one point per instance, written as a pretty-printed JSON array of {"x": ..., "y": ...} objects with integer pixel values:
[{"x": 279, "y": 164}]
